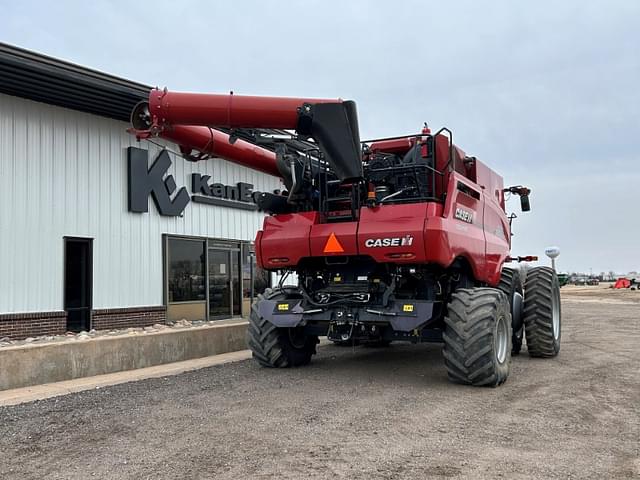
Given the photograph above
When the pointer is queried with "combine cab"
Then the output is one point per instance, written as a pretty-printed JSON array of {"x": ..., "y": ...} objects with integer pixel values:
[{"x": 397, "y": 239}]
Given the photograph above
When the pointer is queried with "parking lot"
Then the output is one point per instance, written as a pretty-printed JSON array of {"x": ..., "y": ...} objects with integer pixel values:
[{"x": 357, "y": 413}]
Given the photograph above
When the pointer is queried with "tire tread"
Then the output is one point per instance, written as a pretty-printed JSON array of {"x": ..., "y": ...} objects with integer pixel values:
[
  {"x": 468, "y": 337},
  {"x": 538, "y": 312},
  {"x": 268, "y": 343}
]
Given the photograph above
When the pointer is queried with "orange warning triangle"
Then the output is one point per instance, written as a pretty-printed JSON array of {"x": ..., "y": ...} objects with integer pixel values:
[{"x": 333, "y": 245}]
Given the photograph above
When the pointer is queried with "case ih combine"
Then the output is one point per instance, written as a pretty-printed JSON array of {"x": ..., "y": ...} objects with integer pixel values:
[{"x": 398, "y": 239}]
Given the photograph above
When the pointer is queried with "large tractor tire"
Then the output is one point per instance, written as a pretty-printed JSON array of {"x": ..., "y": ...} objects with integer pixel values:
[
  {"x": 477, "y": 337},
  {"x": 278, "y": 347},
  {"x": 511, "y": 285},
  {"x": 542, "y": 313}
]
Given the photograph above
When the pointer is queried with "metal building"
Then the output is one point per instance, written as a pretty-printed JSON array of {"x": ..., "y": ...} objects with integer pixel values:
[{"x": 75, "y": 252}]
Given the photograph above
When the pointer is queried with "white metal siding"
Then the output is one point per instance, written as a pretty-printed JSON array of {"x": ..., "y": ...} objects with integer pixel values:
[{"x": 64, "y": 173}]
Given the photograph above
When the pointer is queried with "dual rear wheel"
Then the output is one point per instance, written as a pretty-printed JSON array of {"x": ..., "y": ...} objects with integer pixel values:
[{"x": 480, "y": 333}]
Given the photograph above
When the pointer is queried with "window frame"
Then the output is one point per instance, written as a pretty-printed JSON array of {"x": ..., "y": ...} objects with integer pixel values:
[
  {"x": 241, "y": 248},
  {"x": 166, "y": 269}
]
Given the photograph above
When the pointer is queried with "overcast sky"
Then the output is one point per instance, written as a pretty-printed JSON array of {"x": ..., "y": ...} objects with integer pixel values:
[{"x": 546, "y": 93}]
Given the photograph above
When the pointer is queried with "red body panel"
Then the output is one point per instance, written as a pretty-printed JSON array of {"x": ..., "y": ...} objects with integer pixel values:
[
  {"x": 404, "y": 222},
  {"x": 455, "y": 238},
  {"x": 470, "y": 225},
  {"x": 345, "y": 233},
  {"x": 496, "y": 226},
  {"x": 284, "y": 236}
]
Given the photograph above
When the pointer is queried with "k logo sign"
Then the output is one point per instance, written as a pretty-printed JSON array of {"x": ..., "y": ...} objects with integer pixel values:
[{"x": 144, "y": 181}]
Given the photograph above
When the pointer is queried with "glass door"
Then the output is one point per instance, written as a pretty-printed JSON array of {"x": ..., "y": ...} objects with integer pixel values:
[
  {"x": 225, "y": 288},
  {"x": 236, "y": 290},
  {"x": 220, "y": 283}
]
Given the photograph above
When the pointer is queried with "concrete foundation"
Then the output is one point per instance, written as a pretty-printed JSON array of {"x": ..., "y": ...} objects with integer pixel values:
[{"x": 35, "y": 364}]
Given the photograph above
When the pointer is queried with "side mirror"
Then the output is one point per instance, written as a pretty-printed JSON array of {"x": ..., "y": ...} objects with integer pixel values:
[{"x": 524, "y": 196}]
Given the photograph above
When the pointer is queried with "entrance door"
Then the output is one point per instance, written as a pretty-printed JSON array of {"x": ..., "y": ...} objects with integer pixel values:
[
  {"x": 224, "y": 283},
  {"x": 219, "y": 283},
  {"x": 78, "y": 283}
]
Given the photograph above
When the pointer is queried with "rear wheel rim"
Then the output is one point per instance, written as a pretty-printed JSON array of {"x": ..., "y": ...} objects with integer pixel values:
[
  {"x": 516, "y": 308},
  {"x": 555, "y": 313},
  {"x": 501, "y": 340}
]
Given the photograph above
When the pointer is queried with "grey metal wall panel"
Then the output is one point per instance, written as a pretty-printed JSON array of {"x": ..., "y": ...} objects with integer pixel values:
[{"x": 64, "y": 173}]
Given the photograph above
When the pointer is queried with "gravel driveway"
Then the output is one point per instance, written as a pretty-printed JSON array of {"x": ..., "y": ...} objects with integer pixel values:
[{"x": 354, "y": 413}]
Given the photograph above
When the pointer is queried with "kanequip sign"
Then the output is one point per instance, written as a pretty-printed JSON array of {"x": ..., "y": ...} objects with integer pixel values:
[{"x": 145, "y": 181}]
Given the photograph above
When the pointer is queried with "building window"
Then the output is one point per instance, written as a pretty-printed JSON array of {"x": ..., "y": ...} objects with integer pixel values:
[
  {"x": 211, "y": 278},
  {"x": 186, "y": 270}
]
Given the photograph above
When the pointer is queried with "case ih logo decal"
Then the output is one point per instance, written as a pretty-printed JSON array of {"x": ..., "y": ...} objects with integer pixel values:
[
  {"x": 464, "y": 215},
  {"x": 405, "y": 241},
  {"x": 145, "y": 181}
]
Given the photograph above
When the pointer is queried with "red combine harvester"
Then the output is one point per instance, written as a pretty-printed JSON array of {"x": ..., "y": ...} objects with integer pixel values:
[{"x": 398, "y": 239}]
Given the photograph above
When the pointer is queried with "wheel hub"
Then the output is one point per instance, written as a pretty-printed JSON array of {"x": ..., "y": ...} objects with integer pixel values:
[
  {"x": 555, "y": 313},
  {"x": 501, "y": 339},
  {"x": 516, "y": 313}
]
